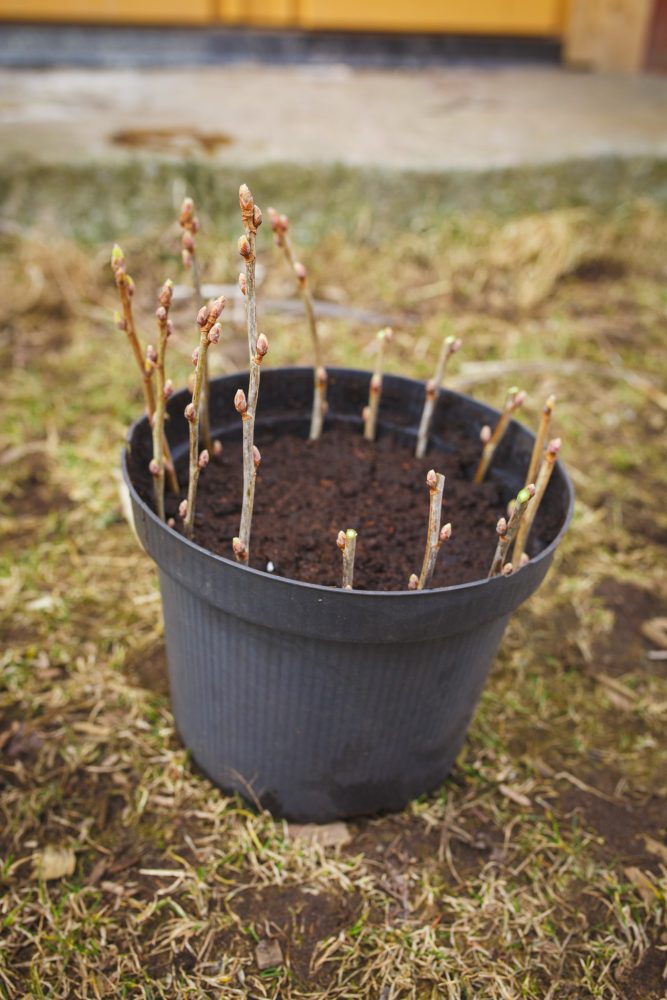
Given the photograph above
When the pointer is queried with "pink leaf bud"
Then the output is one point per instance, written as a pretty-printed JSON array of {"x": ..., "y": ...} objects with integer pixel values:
[
  {"x": 166, "y": 293},
  {"x": 217, "y": 449},
  {"x": 507, "y": 569},
  {"x": 262, "y": 346},
  {"x": 195, "y": 225},
  {"x": 187, "y": 242},
  {"x": 161, "y": 314},
  {"x": 151, "y": 354},
  {"x": 431, "y": 479},
  {"x": 386, "y": 334},
  {"x": 170, "y": 328},
  {"x": 195, "y": 357},
  {"x": 202, "y": 316},
  {"x": 501, "y": 527},
  {"x": 187, "y": 211},
  {"x": 203, "y": 459},
  {"x": 244, "y": 247},
  {"x": 445, "y": 532},
  {"x": 321, "y": 377},
  {"x": 245, "y": 197},
  {"x": 524, "y": 560},
  {"x": 183, "y": 509},
  {"x": 256, "y": 456},
  {"x": 190, "y": 412},
  {"x": 215, "y": 308},
  {"x": 257, "y": 216},
  {"x": 214, "y": 334},
  {"x": 300, "y": 272},
  {"x": 243, "y": 284},
  {"x": 240, "y": 402},
  {"x": 519, "y": 400},
  {"x": 171, "y": 523},
  {"x": 341, "y": 540},
  {"x": 239, "y": 549},
  {"x": 186, "y": 257},
  {"x": 554, "y": 446},
  {"x": 413, "y": 582},
  {"x": 376, "y": 383},
  {"x": 485, "y": 434},
  {"x": 153, "y": 467},
  {"x": 431, "y": 389},
  {"x": 168, "y": 388}
]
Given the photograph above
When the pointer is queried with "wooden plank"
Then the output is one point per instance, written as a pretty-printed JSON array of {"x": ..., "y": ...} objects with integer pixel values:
[
  {"x": 493, "y": 17},
  {"x": 608, "y": 34},
  {"x": 110, "y": 11}
]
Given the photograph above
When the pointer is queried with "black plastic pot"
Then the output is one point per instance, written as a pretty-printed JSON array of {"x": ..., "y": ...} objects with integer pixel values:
[{"x": 339, "y": 703}]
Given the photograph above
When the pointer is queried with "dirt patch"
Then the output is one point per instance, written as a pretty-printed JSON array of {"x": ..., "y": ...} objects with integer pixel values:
[
  {"x": 30, "y": 492},
  {"x": 308, "y": 491},
  {"x": 621, "y": 825},
  {"x": 624, "y": 648},
  {"x": 647, "y": 981},
  {"x": 301, "y": 918},
  {"x": 170, "y": 140},
  {"x": 148, "y": 669}
]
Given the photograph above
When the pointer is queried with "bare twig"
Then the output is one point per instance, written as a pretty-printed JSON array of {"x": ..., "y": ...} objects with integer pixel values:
[
  {"x": 280, "y": 227},
  {"x": 125, "y": 286},
  {"x": 507, "y": 531},
  {"x": 347, "y": 543},
  {"x": 513, "y": 401},
  {"x": 209, "y": 334},
  {"x": 435, "y": 536},
  {"x": 540, "y": 439},
  {"x": 251, "y": 217},
  {"x": 163, "y": 391},
  {"x": 375, "y": 390},
  {"x": 450, "y": 345},
  {"x": 543, "y": 477},
  {"x": 251, "y": 456},
  {"x": 190, "y": 225}
]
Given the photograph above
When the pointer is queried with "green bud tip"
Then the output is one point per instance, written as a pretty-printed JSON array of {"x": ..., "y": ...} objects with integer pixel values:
[
  {"x": 351, "y": 533},
  {"x": 512, "y": 391},
  {"x": 523, "y": 496},
  {"x": 449, "y": 340},
  {"x": 116, "y": 254}
]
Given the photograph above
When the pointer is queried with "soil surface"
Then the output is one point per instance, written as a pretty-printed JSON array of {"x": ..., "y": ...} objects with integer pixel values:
[{"x": 307, "y": 491}]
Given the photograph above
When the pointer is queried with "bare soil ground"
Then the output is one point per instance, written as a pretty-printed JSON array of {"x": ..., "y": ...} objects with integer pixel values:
[{"x": 539, "y": 868}]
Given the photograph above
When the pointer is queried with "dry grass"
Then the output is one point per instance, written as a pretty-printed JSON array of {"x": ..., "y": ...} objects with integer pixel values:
[{"x": 539, "y": 868}]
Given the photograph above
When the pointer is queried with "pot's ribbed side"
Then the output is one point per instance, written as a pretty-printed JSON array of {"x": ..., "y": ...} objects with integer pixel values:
[
  {"x": 317, "y": 731},
  {"x": 330, "y": 614}
]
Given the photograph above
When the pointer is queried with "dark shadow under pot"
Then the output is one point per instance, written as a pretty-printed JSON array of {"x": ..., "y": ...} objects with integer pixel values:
[{"x": 316, "y": 702}]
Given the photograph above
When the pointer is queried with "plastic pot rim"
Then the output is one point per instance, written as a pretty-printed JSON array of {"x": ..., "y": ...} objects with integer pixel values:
[{"x": 545, "y": 553}]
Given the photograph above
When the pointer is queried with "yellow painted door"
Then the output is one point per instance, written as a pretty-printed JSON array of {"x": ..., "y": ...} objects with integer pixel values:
[
  {"x": 260, "y": 13},
  {"x": 492, "y": 17},
  {"x": 110, "y": 11}
]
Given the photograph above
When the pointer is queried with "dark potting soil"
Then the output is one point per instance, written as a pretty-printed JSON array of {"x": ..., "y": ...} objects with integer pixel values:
[{"x": 307, "y": 491}]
